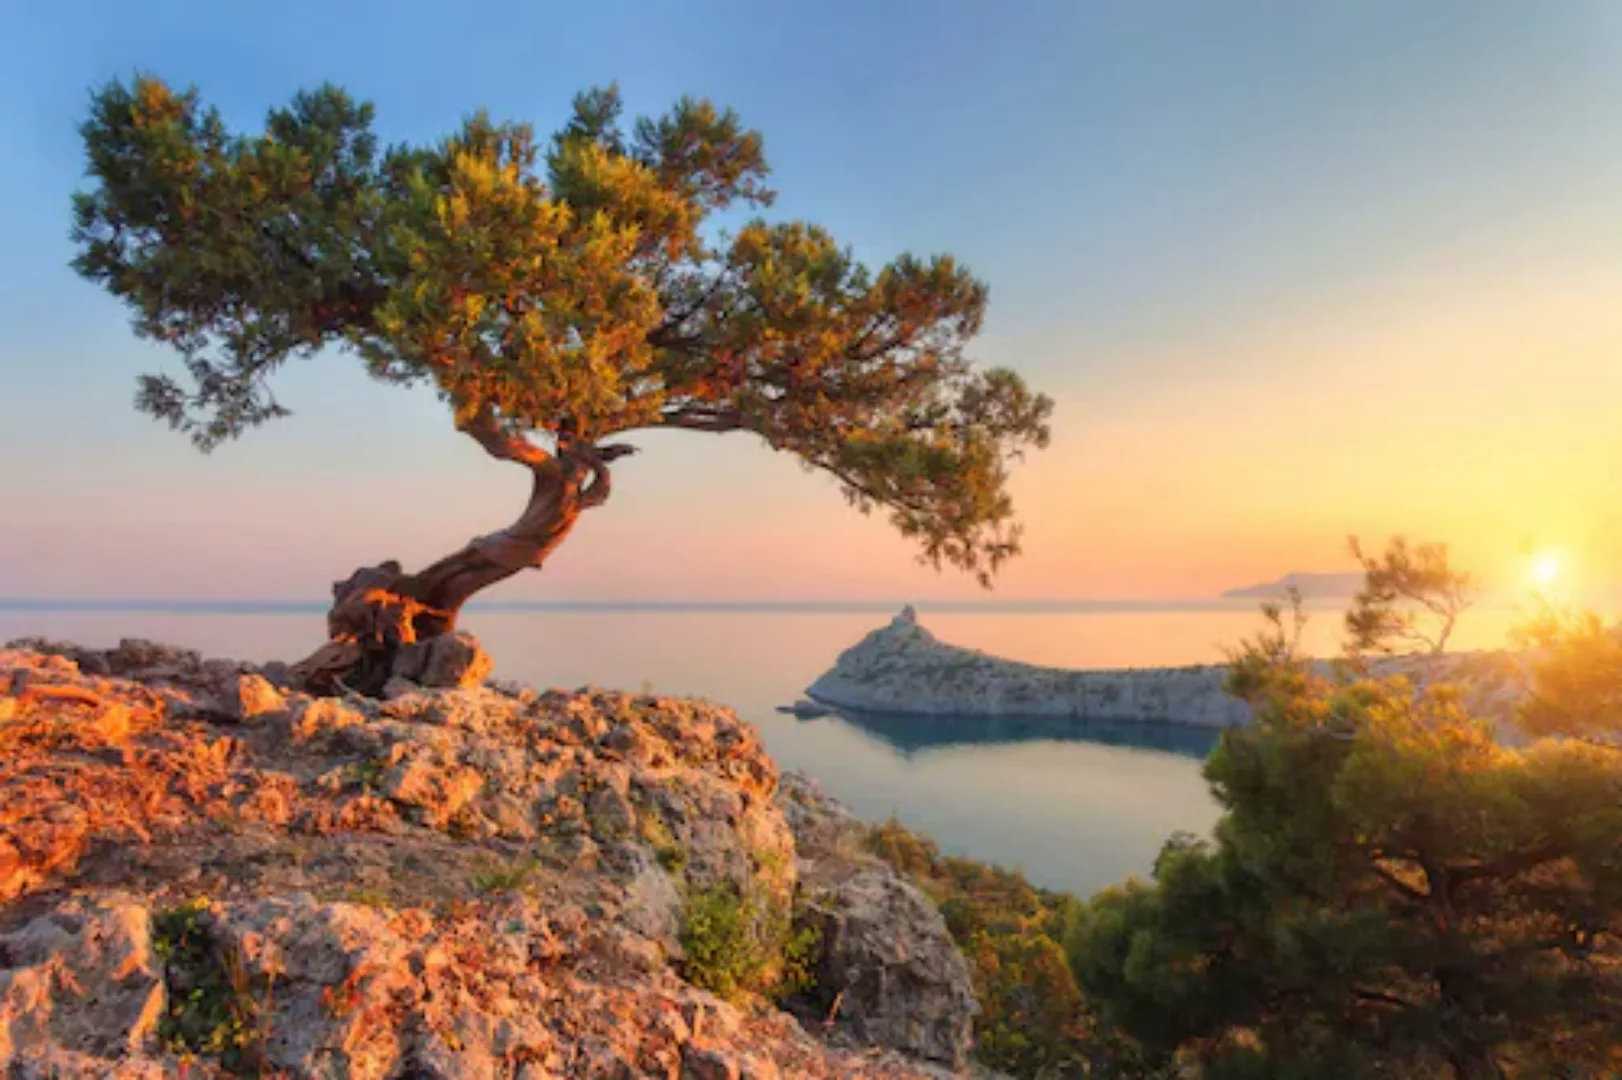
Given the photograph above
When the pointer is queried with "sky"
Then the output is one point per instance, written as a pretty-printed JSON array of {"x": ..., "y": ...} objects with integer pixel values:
[{"x": 1290, "y": 271}]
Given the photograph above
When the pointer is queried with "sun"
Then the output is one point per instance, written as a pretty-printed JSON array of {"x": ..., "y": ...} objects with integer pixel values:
[{"x": 1545, "y": 568}]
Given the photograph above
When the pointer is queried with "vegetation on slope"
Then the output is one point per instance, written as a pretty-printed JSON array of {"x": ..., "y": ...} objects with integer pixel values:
[{"x": 1392, "y": 891}]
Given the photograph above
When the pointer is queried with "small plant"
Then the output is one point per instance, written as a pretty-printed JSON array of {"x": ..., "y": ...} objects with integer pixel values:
[
  {"x": 492, "y": 877},
  {"x": 667, "y": 850},
  {"x": 211, "y": 1008},
  {"x": 368, "y": 896},
  {"x": 741, "y": 942},
  {"x": 673, "y": 860},
  {"x": 367, "y": 774}
]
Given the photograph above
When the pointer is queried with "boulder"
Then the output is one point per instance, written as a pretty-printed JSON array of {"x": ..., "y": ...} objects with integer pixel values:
[
  {"x": 78, "y": 983},
  {"x": 250, "y": 697},
  {"x": 449, "y": 661},
  {"x": 889, "y": 960}
]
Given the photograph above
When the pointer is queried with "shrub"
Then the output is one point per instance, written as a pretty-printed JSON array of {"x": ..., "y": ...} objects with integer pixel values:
[
  {"x": 491, "y": 876},
  {"x": 1033, "y": 1021},
  {"x": 739, "y": 942}
]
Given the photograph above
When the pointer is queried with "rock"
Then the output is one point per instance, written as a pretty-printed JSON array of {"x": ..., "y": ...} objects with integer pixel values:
[
  {"x": 458, "y": 882},
  {"x": 825, "y": 830},
  {"x": 806, "y": 709},
  {"x": 903, "y": 982},
  {"x": 704, "y": 1063},
  {"x": 398, "y": 687},
  {"x": 436, "y": 788},
  {"x": 79, "y": 982},
  {"x": 610, "y": 814},
  {"x": 150, "y": 660},
  {"x": 319, "y": 719},
  {"x": 903, "y": 669},
  {"x": 448, "y": 661},
  {"x": 250, "y": 697}
]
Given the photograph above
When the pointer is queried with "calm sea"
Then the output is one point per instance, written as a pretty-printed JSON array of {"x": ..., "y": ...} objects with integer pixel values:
[{"x": 1076, "y": 808}]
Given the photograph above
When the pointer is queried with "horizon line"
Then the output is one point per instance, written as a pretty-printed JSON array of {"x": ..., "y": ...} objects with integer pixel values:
[{"x": 257, "y": 606}]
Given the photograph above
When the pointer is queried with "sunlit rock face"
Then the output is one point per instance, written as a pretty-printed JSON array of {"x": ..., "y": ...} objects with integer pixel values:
[
  {"x": 903, "y": 668},
  {"x": 199, "y": 862}
]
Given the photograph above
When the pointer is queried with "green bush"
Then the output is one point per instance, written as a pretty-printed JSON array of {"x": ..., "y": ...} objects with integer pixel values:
[
  {"x": 1033, "y": 1021},
  {"x": 739, "y": 942}
]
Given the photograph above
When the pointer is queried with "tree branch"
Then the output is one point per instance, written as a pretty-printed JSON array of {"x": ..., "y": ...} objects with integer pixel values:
[
  {"x": 1408, "y": 891},
  {"x": 596, "y": 459},
  {"x": 502, "y": 445},
  {"x": 1379, "y": 997}
]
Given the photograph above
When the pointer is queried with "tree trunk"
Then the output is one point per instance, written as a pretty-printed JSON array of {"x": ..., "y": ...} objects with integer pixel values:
[{"x": 379, "y": 609}]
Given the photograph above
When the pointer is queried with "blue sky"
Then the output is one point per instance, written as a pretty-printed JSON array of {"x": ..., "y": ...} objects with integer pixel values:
[{"x": 1198, "y": 221}]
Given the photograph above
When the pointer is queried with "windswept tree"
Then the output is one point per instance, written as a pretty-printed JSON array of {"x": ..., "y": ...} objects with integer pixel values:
[
  {"x": 1410, "y": 600},
  {"x": 555, "y": 295}
]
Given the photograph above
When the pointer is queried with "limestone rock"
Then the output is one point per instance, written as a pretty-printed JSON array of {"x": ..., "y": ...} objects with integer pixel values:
[
  {"x": 905, "y": 985},
  {"x": 448, "y": 661},
  {"x": 251, "y": 697},
  {"x": 78, "y": 983},
  {"x": 463, "y": 882}
]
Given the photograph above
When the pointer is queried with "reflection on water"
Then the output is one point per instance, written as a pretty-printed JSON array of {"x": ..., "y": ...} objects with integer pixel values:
[{"x": 912, "y": 735}]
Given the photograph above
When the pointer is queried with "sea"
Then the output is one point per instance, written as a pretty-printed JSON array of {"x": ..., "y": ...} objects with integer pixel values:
[{"x": 1075, "y": 806}]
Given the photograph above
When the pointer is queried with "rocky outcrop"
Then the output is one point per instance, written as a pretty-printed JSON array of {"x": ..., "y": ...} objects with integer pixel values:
[
  {"x": 903, "y": 670},
  {"x": 200, "y": 863},
  {"x": 888, "y": 970}
]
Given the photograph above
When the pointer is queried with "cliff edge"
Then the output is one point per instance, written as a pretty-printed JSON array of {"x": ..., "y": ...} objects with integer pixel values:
[{"x": 203, "y": 872}]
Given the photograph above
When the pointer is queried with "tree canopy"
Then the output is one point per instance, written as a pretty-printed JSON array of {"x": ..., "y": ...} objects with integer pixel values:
[
  {"x": 1393, "y": 889},
  {"x": 572, "y": 288}
]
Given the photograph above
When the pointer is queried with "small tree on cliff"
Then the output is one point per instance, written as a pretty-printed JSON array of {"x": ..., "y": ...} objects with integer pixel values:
[{"x": 554, "y": 296}]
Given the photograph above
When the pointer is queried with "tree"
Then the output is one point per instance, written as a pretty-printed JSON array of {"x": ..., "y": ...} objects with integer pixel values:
[
  {"x": 1390, "y": 892},
  {"x": 1576, "y": 684},
  {"x": 554, "y": 296},
  {"x": 1411, "y": 598}
]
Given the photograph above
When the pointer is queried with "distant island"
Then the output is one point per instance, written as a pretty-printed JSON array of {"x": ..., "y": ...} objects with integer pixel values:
[
  {"x": 1336, "y": 586},
  {"x": 901, "y": 670}
]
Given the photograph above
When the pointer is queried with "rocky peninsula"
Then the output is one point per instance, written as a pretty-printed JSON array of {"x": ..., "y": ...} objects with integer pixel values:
[
  {"x": 203, "y": 870},
  {"x": 903, "y": 670}
]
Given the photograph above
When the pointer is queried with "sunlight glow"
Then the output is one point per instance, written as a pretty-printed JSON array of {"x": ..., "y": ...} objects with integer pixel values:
[{"x": 1545, "y": 569}]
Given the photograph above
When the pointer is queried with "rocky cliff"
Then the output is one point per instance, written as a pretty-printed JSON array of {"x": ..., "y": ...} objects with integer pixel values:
[
  {"x": 203, "y": 872},
  {"x": 901, "y": 669}
]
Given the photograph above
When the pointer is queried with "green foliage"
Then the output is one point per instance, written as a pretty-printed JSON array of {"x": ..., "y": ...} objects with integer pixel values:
[
  {"x": 1389, "y": 893},
  {"x": 492, "y": 876},
  {"x": 574, "y": 288},
  {"x": 1033, "y": 1021},
  {"x": 1411, "y": 598},
  {"x": 211, "y": 1009},
  {"x": 739, "y": 942},
  {"x": 667, "y": 850},
  {"x": 367, "y": 774}
]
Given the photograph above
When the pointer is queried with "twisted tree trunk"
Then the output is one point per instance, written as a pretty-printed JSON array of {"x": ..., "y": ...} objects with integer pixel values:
[{"x": 378, "y": 610}]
